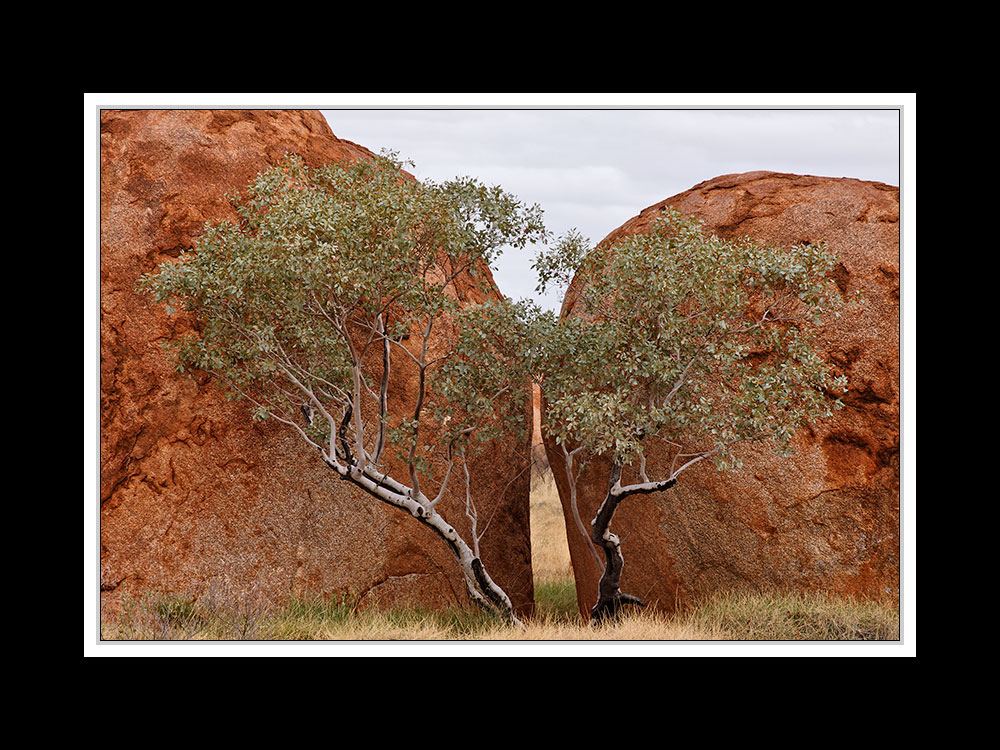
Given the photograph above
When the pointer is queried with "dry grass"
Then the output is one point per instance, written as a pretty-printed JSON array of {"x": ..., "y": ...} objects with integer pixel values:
[
  {"x": 227, "y": 615},
  {"x": 636, "y": 626},
  {"x": 729, "y": 617},
  {"x": 549, "y": 548},
  {"x": 795, "y": 616}
]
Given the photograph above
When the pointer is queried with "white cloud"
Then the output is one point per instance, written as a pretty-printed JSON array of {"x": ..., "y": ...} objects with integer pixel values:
[{"x": 593, "y": 169}]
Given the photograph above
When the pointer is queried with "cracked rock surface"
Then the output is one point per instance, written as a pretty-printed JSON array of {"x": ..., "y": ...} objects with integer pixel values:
[{"x": 827, "y": 518}]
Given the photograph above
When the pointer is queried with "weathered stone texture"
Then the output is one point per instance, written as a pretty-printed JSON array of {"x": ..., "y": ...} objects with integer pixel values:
[
  {"x": 828, "y": 517},
  {"x": 192, "y": 493}
]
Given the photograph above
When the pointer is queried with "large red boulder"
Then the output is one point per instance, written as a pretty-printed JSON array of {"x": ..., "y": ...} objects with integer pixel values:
[
  {"x": 195, "y": 495},
  {"x": 826, "y": 519}
]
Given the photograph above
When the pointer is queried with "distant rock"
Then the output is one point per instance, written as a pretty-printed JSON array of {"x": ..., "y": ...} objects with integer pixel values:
[
  {"x": 826, "y": 519},
  {"x": 539, "y": 461}
]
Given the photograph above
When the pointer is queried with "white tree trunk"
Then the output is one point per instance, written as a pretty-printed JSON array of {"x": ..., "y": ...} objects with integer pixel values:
[{"x": 482, "y": 590}]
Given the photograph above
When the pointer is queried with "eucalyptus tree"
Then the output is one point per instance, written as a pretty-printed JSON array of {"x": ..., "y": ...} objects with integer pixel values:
[
  {"x": 347, "y": 289},
  {"x": 686, "y": 341}
]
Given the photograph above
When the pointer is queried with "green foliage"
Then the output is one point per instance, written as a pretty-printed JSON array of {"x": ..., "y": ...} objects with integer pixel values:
[
  {"x": 493, "y": 358},
  {"x": 295, "y": 302},
  {"x": 676, "y": 335},
  {"x": 686, "y": 337}
]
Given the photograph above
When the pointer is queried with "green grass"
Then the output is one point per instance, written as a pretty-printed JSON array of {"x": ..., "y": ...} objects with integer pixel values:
[
  {"x": 303, "y": 619},
  {"x": 555, "y": 600}
]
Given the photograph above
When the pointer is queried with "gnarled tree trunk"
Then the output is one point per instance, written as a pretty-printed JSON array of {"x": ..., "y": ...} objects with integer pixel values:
[
  {"x": 610, "y": 597},
  {"x": 482, "y": 590}
]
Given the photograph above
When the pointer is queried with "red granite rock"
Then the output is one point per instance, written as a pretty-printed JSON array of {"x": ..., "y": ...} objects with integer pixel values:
[
  {"x": 826, "y": 519},
  {"x": 193, "y": 494}
]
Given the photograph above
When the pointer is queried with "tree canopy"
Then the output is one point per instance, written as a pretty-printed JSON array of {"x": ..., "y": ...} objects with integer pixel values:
[
  {"x": 333, "y": 279},
  {"x": 684, "y": 339},
  {"x": 684, "y": 336}
]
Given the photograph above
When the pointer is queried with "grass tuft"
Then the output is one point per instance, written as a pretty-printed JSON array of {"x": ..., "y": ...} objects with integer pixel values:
[
  {"x": 555, "y": 600},
  {"x": 797, "y": 616},
  {"x": 767, "y": 616}
]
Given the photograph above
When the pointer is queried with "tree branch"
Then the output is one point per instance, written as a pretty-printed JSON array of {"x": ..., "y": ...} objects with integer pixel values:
[
  {"x": 573, "y": 506},
  {"x": 421, "y": 390},
  {"x": 383, "y": 393}
]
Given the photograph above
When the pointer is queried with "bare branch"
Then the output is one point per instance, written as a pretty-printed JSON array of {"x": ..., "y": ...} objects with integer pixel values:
[
  {"x": 451, "y": 463},
  {"x": 640, "y": 488},
  {"x": 421, "y": 391},
  {"x": 574, "y": 508},
  {"x": 470, "y": 507},
  {"x": 642, "y": 467},
  {"x": 383, "y": 393},
  {"x": 308, "y": 392}
]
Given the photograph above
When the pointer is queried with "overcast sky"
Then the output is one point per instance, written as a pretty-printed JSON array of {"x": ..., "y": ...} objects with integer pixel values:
[{"x": 593, "y": 169}]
